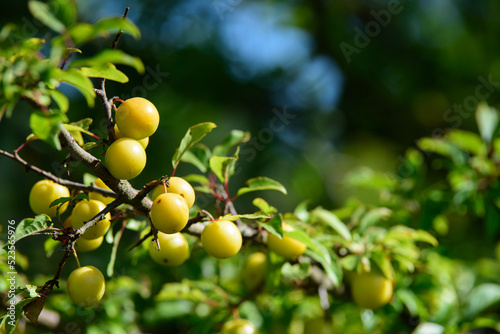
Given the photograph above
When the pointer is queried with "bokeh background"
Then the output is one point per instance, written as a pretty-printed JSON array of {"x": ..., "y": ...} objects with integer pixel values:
[{"x": 323, "y": 86}]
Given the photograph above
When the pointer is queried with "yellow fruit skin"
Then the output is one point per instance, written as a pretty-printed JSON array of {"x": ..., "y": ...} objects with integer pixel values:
[
  {"x": 221, "y": 239},
  {"x": 144, "y": 142},
  {"x": 287, "y": 247},
  {"x": 98, "y": 197},
  {"x": 43, "y": 193},
  {"x": 88, "y": 245},
  {"x": 370, "y": 290},
  {"x": 137, "y": 118},
  {"x": 254, "y": 270},
  {"x": 169, "y": 213},
  {"x": 239, "y": 326},
  {"x": 86, "y": 286},
  {"x": 125, "y": 158},
  {"x": 174, "y": 249},
  {"x": 179, "y": 186},
  {"x": 86, "y": 210}
]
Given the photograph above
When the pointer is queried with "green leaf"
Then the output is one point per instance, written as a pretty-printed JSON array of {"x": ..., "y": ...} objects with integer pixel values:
[
  {"x": 108, "y": 71},
  {"x": 298, "y": 271},
  {"x": 201, "y": 179},
  {"x": 42, "y": 13},
  {"x": 111, "y": 264},
  {"x": 467, "y": 141},
  {"x": 61, "y": 100},
  {"x": 383, "y": 262},
  {"x": 257, "y": 215},
  {"x": 114, "y": 24},
  {"x": 301, "y": 210},
  {"x": 274, "y": 225},
  {"x": 368, "y": 178},
  {"x": 49, "y": 246},
  {"x": 77, "y": 79},
  {"x": 372, "y": 217},
  {"x": 89, "y": 178},
  {"x": 233, "y": 139},
  {"x": 223, "y": 167},
  {"x": 33, "y": 226},
  {"x": 80, "y": 196},
  {"x": 400, "y": 233},
  {"x": 107, "y": 56},
  {"x": 46, "y": 126},
  {"x": 443, "y": 147},
  {"x": 429, "y": 327},
  {"x": 412, "y": 302},
  {"x": 331, "y": 220},
  {"x": 487, "y": 120},
  {"x": 264, "y": 206},
  {"x": 17, "y": 314},
  {"x": 198, "y": 156},
  {"x": 33, "y": 309},
  {"x": 135, "y": 224},
  {"x": 481, "y": 298},
  {"x": 192, "y": 136},
  {"x": 76, "y": 132},
  {"x": 261, "y": 183}
]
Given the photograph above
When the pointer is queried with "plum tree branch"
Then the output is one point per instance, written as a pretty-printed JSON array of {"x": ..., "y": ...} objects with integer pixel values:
[
  {"x": 101, "y": 92},
  {"x": 100, "y": 216},
  {"x": 52, "y": 177},
  {"x": 123, "y": 189}
]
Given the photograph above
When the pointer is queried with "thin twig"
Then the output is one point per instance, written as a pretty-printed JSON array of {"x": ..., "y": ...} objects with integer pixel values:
[
  {"x": 100, "y": 216},
  {"x": 52, "y": 177}
]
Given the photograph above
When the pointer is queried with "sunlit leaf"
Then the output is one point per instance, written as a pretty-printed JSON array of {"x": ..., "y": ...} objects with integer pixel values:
[
  {"x": 108, "y": 71},
  {"x": 481, "y": 298},
  {"x": 103, "y": 58},
  {"x": 257, "y": 215},
  {"x": 328, "y": 218},
  {"x": 274, "y": 225},
  {"x": 467, "y": 141},
  {"x": 77, "y": 79},
  {"x": 114, "y": 24},
  {"x": 192, "y": 136},
  {"x": 33, "y": 226},
  {"x": 46, "y": 126},
  {"x": 261, "y": 183},
  {"x": 264, "y": 206},
  {"x": 487, "y": 120},
  {"x": 198, "y": 156},
  {"x": 373, "y": 217},
  {"x": 223, "y": 167},
  {"x": 41, "y": 12},
  {"x": 233, "y": 139}
]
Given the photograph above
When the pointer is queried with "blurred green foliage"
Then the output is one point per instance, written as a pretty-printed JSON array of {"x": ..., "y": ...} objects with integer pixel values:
[{"x": 332, "y": 129}]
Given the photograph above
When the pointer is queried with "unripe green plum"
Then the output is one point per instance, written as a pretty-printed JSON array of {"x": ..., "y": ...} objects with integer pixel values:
[
  {"x": 221, "y": 239},
  {"x": 254, "y": 270},
  {"x": 125, "y": 158},
  {"x": 43, "y": 193},
  {"x": 85, "y": 211},
  {"x": 289, "y": 248},
  {"x": 144, "y": 142},
  {"x": 174, "y": 249},
  {"x": 87, "y": 245},
  {"x": 169, "y": 213},
  {"x": 98, "y": 197},
  {"x": 370, "y": 290},
  {"x": 86, "y": 286},
  {"x": 179, "y": 186},
  {"x": 137, "y": 118},
  {"x": 239, "y": 326}
]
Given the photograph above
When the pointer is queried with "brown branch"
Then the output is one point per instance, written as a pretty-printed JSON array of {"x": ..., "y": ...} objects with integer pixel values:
[
  {"x": 124, "y": 191},
  {"x": 52, "y": 177},
  {"x": 101, "y": 92},
  {"x": 100, "y": 216}
]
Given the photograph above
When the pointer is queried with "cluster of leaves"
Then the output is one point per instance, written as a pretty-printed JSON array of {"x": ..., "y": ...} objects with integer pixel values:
[{"x": 391, "y": 237}]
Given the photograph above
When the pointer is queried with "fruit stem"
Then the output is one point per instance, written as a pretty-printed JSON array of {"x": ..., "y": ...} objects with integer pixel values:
[{"x": 77, "y": 260}]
